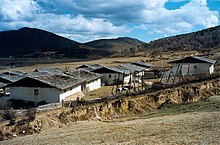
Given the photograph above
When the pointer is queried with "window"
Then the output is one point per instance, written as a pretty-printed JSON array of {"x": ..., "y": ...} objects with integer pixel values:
[
  {"x": 110, "y": 76},
  {"x": 36, "y": 92},
  {"x": 195, "y": 67}
]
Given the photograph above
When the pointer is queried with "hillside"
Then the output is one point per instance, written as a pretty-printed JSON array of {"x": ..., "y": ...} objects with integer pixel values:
[
  {"x": 28, "y": 40},
  {"x": 32, "y": 42},
  {"x": 200, "y": 40},
  {"x": 115, "y": 45},
  {"x": 37, "y": 43}
]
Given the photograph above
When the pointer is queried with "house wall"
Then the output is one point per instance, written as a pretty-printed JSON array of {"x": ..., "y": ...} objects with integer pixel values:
[
  {"x": 106, "y": 80},
  {"x": 127, "y": 78},
  {"x": 194, "y": 68},
  {"x": 141, "y": 73},
  {"x": 93, "y": 85},
  {"x": 49, "y": 95},
  {"x": 211, "y": 69},
  {"x": 67, "y": 93}
]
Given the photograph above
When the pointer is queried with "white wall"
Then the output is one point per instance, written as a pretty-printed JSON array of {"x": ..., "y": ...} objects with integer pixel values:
[
  {"x": 211, "y": 69},
  {"x": 94, "y": 85},
  {"x": 63, "y": 95},
  {"x": 194, "y": 68},
  {"x": 50, "y": 95},
  {"x": 127, "y": 78},
  {"x": 109, "y": 80}
]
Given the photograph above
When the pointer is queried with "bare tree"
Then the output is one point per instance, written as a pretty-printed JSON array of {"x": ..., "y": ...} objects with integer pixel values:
[{"x": 8, "y": 112}]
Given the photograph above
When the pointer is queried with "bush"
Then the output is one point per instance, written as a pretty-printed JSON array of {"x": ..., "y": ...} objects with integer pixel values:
[
  {"x": 31, "y": 114},
  {"x": 8, "y": 112}
]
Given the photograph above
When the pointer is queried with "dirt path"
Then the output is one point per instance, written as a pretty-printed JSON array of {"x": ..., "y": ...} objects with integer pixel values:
[{"x": 188, "y": 128}]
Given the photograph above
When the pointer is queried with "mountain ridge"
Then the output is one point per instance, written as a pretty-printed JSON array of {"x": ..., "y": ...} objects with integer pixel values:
[
  {"x": 37, "y": 43},
  {"x": 203, "y": 39},
  {"x": 34, "y": 42}
]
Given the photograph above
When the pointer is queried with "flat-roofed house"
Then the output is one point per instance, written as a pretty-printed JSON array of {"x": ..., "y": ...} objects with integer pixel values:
[{"x": 50, "y": 88}]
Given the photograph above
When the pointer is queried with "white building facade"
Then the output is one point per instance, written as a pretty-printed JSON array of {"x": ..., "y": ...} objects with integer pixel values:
[
  {"x": 37, "y": 89},
  {"x": 192, "y": 66}
]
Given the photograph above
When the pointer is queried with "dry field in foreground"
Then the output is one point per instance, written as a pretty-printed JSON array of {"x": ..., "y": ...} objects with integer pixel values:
[{"x": 195, "y": 123}]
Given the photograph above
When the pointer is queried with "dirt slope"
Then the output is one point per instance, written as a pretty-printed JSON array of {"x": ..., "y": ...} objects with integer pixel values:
[
  {"x": 188, "y": 128},
  {"x": 131, "y": 108}
]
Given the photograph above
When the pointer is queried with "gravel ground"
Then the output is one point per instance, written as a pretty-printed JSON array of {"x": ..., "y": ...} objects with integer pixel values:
[{"x": 186, "y": 128}]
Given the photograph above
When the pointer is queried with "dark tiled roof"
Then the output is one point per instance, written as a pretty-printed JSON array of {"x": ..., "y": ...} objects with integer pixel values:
[
  {"x": 122, "y": 69},
  {"x": 133, "y": 68},
  {"x": 38, "y": 74},
  {"x": 59, "y": 81},
  {"x": 90, "y": 66},
  {"x": 113, "y": 69},
  {"x": 205, "y": 59},
  {"x": 11, "y": 78},
  {"x": 2, "y": 85},
  {"x": 14, "y": 73},
  {"x": 83, "y": 75},
  {"x": 142, "y": 64},
  {"x": 194, "y": 59},
  {"x": 49, "y": 70}
]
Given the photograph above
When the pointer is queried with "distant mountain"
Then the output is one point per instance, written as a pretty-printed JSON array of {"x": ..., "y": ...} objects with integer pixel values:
[
  {"x": 32, "y": 42},
  {"x": 115, "y": 45},
  {"x": 200, "y": 40}
]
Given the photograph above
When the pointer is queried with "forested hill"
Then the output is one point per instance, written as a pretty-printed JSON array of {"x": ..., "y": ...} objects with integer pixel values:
[
  {"x": 32, "y": 42},
  {"x": 204, "y": 39},
  {"x": 115, "y": 45}
]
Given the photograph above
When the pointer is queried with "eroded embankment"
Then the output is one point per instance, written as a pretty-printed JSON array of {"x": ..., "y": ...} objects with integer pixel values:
[
  {"x": 133, "y": 105},
  {"x": 116, "y": 108}
]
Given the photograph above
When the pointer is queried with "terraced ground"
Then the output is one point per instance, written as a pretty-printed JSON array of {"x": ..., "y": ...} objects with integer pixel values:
[{"x": 194, "y": 123}]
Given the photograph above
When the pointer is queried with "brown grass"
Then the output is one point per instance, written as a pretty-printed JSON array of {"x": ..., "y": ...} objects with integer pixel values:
[
  {"x": 160, "y": 60},
  {"x": 99, "y": 93},
  {"x": 195, "y": 123}
]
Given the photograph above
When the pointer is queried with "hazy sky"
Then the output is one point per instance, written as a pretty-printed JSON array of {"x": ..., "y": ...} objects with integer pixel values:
[{"x": 85, "y": 20}]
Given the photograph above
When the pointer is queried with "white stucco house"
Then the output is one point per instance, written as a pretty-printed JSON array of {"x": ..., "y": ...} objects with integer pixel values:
[
  {"x": 112, "y": 74},
  {"x": 192, "y": 66},
  {"x": 135, "y": 70},
  {"x": 90, "y": 80},
  {"x": 51, "y": 88}
]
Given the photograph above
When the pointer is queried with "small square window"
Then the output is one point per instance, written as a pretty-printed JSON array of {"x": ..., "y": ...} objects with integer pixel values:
[
  {"x": 110, "y": 76},
  {"x": 36, "y": 92},
  {"x": 195, "y": 67}
]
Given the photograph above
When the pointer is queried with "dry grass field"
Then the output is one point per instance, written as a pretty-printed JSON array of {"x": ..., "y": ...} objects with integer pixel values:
[
  {"x": 99, "y": 93},
  {"x": 159, "y": 61},
  {"x": 195, "y": 123}
]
